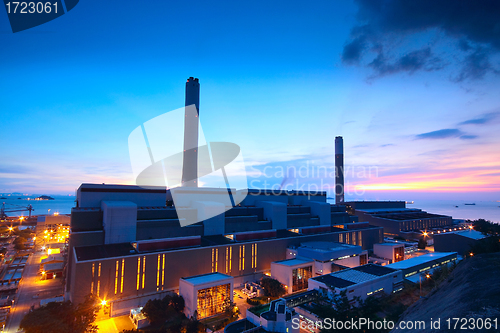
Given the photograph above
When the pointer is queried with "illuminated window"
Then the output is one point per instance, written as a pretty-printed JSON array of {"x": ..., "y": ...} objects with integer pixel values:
[
  {"x": 123, "y": 271},
  {"x": 360, "y": 238},
  {"x": 143, "y": 271},
  {"x": 93, "y": 276},
  {"x": 230, "y": 258},
  {"x": 300, "y": 278},
  {"x": 213, "y": 300},
  {"x": 227, "y": 260},
  {"x": 163, "y": 272},
  {"x": 98, "y": 279},
  {"x": 215, "y": 258},
  {"x": 116, "y": 276},
  {"x": 138, "y": 271},
  {"x": 241, "y": 261},
  {"x": 158, "y": 267},
  {"x": 254, "y": 255}
]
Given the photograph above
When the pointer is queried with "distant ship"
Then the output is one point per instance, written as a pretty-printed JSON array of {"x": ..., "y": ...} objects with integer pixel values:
[
  {"x": 470, "y": 204},
  {"x": 410, "y": 202}
]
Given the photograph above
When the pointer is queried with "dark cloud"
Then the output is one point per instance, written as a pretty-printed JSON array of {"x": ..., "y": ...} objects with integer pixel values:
[
  {"x": 413, "y": 61},
  {"x": 484, "y": 119},
  {"x": 353, "y": 50},
  {"x": 468, "y": 137},
  {"x": 381, "y": 23},
  {"x": 441, "y": 134}
]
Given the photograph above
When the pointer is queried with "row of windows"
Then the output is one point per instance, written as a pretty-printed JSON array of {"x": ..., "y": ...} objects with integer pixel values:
[
  {"x": 353, "y": 238},
  {"x": 160, "y": 269},
  {"x": 422, "y": 224},
  {"x": 229, "y": 258}
]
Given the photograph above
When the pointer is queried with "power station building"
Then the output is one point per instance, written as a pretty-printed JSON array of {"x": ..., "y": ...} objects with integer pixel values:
[
  {"x": 127, "y": 246},
  {"x": 395, "y": 218}
]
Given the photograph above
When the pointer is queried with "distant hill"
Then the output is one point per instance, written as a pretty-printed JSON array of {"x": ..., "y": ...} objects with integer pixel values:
[{"x": 472, "y": 291}]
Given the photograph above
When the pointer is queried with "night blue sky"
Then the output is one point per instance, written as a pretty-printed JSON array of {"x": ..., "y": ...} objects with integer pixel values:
[{"x": 413, "y": 90}]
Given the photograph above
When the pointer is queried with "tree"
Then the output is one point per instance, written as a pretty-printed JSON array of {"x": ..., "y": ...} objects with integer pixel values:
[
  {"x": 170, "y": 308},
  {"x": 62, "y": 317},
  {"x": 154, "y": 310},
  {"x": 272, "y": 287},
  {"x": 19, "y": 243}
]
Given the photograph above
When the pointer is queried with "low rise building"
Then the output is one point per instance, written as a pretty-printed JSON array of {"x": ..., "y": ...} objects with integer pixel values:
[
  {"x": 423, "y": 264},
  {"x": 206, "y": 295},
  {"x": 329, "y": 257},
  {"x": 393, "y": 252},
  {"x": 457, "y": 241},
  {"x": 293, "y": 273},
  {"x": 362, "y": 281},
  {"x": 278, "y": 318}
]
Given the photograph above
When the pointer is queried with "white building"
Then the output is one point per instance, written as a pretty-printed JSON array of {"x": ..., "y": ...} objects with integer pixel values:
[
  {"x": 206, "y": 295},
  {"x": 361, "y": 282},
  {"x": 278, "y": 319},
  {"x": 393, "y": 252},
  {"x": 329, "y": 257},
  {"x": 293, "y": 273}
]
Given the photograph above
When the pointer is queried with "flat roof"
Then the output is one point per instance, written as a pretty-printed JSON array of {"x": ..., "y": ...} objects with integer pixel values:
[
  {"x": 389, "y": 244},
  {"x": 325, "y": 246},
  {"x": 415, "y": 261},
  {"x": 333, "y": 281},
  {"x": 206, "y": 278},
  {"x": 104, "y": 251},
  {"x": 352, "y": 276},
  {"x": 472, "y": 234},
  {"x": 375, "y": 269},
  {"x": 88, "y": 187},
  {"x": 391, "y": 210},
  {"x": 293, "y": 262}
]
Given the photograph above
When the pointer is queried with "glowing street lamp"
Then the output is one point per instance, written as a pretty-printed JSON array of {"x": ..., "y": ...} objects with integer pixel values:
[{"x": 104, "y": 302}]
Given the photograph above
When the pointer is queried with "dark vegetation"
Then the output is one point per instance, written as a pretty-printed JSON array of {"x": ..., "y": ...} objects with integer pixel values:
[
  {"x": 272, "y": 287},
  {"x": 62, "y": 318}
]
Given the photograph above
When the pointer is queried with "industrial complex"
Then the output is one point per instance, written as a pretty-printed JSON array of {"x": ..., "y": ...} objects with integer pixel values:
[{"x": 129, "y": 244}]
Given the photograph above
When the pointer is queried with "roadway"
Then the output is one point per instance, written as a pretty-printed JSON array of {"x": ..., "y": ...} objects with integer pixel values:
[{"x": 31, "y": 290}]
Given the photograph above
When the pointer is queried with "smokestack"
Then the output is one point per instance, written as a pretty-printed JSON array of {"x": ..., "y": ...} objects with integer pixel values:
[
  {"x": 339, "y": 170},
  {"x": 191, "y": 120}
]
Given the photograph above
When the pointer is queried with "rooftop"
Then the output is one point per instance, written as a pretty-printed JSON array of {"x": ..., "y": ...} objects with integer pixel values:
[
  {"x": 472, "y": 234},
  {"x": 326, "y": 246},
  {"x": 333, "y": 281},
  {"x": 293, "y": 262},
  {"x": 86, "y": 187},
  {"x": 375, "y": 269},
  {"x": 388, "y": 210},
  {"x": 104, "y": 251},
  {"x": 420, "y": 260},
  {"x": 352, "y": 276},
  {"x": 207, "y": 278}
]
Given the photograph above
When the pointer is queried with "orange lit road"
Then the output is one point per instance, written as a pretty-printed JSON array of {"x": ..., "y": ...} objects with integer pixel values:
[{"x": 30, "y": 291}]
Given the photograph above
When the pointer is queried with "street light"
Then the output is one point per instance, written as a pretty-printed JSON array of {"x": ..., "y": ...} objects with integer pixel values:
[{"x": 104, "y": 302}]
